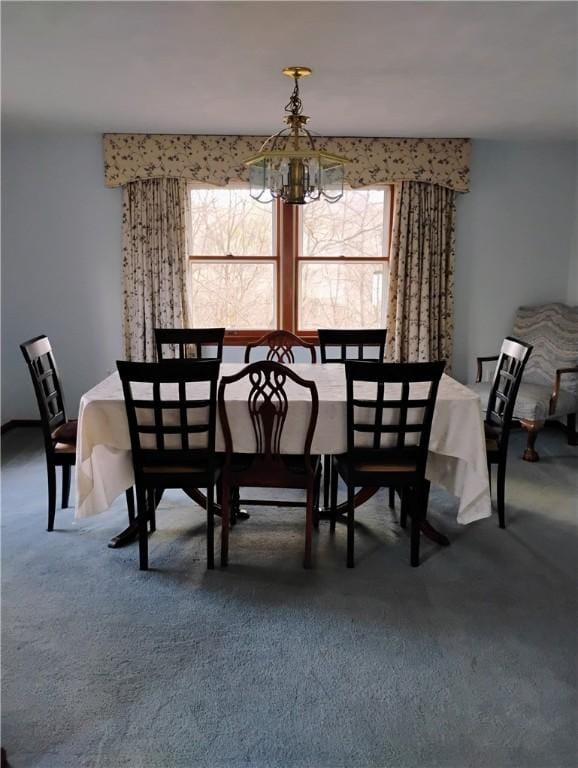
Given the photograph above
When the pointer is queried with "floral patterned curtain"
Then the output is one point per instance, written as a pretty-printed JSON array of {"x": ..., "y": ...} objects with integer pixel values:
[
  {"x": 421, "y": 274},
  {"x": 220, "y": 159},
  {"x": 154, "y": 262}
]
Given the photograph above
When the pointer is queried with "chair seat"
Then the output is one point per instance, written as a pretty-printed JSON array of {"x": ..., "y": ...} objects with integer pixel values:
[
  {"x": 169, "y": 469},
  {"x": 492, "y": 435},
  {"x": 384, "y": 467},
  {"x": 533, "y": 401},
  {"x": 289, "y": 472},
  {"x": 66, "y": 433},
  {"x": 491, "y": 444},
  {"x": 365, "y": 471},
  {"x": 65, "y": 448}
]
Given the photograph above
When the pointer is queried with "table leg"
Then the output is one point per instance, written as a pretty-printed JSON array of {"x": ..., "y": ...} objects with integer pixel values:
[
  {"x": 363, "y": 495},
  {"x": 199, "y": 497},
  {"x": 130, "y": 533}
]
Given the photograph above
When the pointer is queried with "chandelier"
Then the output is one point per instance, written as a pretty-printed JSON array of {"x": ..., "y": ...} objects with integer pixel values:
[{"x": 288, "y": 165}]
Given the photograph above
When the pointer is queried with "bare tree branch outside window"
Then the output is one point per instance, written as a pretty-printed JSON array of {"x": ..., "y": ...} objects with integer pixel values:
[{"x": 341, "y": 273}]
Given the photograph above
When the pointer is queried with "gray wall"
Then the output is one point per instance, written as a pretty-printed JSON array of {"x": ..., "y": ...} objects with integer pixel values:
[
  {"x": 61, "y": 268},
  {"x": 514, "y": 240},
  {"x": 62, "y": 258},
  {"x": 572, "y": 297}
]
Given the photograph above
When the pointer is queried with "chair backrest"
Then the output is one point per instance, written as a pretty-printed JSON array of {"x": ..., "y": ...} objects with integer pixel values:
[
  {"x": 171, "y": 411},
  {"x": 47, "y": 387},
  {"x": 513, "y": 357},
  {"x": 552, "y": 330},
  {"x": 268, "y": 406},
  {"x": 365, "y": 344},
  {"x": 280, "y": 344},
  {"x": 180, "y": 342},
  {"x": 393, "y": 418}
]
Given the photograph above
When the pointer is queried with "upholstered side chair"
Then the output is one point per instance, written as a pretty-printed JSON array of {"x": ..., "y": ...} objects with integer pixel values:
[{"x": 549, "y": 387}]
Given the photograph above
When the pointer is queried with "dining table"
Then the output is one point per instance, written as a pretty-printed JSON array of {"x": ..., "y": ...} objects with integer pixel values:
[{"x": 456, "y": 458}]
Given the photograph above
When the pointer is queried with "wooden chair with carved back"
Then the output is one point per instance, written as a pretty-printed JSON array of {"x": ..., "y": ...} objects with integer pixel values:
[
  {"x": 512, "y": 360},
  {"x": 270, "y": 410},
  {"x": 182, "y": 342},
  {"x": 58, "y": 431},
  {"x": 171, "y": 412},
  {"x": 389, "y": 415},
  {"x": 280, "y": 344},
  {"x": 338, "y": 346}
]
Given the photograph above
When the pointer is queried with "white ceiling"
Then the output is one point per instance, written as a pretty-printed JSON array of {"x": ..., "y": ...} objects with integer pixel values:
[{"x": 489, "y": 70}]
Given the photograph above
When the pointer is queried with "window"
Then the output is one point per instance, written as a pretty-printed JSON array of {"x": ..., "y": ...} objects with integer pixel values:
[{"x": 254, "y": 267}]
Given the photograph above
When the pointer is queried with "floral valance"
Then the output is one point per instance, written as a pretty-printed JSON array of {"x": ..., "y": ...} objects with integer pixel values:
[{"x": 219, "y": 160}]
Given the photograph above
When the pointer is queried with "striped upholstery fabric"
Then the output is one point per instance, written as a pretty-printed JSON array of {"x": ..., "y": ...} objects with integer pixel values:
[{"x": 552, "y": 329}]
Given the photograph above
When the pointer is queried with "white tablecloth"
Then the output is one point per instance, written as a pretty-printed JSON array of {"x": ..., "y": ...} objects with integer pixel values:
[{"x": 457, "y": 457}]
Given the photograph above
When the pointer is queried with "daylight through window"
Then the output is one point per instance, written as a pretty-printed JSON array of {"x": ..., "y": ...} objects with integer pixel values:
[{"x": 255, "y": 267}]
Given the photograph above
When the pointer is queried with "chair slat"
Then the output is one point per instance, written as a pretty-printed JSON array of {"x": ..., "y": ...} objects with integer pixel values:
[
  {"x": 173, "y": 429},
  {"x": 391, "y": 428},
  {"x": 413, "y": 403},
  {"x": 361, "y": 339},
  {"x": 182, "y": 338},
  {"x": 172, "y": 404}
]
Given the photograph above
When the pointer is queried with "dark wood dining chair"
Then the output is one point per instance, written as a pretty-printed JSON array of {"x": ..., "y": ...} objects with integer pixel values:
[
  {"x": 393, "y": 402},
  {"x": 58, "y": 431},
  {"x": 269, "y": 410},
  {"x": 280, "y": 344},
  {"x": 172, "y": 435},
  {"x": 357, "y": 344},
  {"x": 512, "y": 360},
  {"x": 189, "y": 343}
]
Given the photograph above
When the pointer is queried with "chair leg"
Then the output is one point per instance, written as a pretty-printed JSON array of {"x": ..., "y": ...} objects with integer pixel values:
[
  {"x": 235, "y": 505},
  {"x": 225, "y": 523},
  {"x": 210, "y": 529},
  {"x": 416, "y": 496},
  {"x": 501, "y": 492},
  {"x": 65, "y": 485},
  {"x": 532, "y": 427},
  {"x": 333, "y": 500},
  {"x": 130, "y": 505},
  {"x": 153, "y": 499},
  {"x": 403, "y": 508},
  {"x": 392, "y": 498},
  {"x": 308, "y": 526},
  {"x": 350, "y": 527},
  {"x": 326, "y": 480},
  {"x": 571, "y": 431},
  {"x": 143, "y": 537},
  {"x": 490, "y": 477},
  {"x": 51, "y": 470},
  {"x": 316, "y": 499}
]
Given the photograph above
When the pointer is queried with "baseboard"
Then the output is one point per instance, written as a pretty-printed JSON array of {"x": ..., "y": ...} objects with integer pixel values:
[{"x": 14, "y": 423}]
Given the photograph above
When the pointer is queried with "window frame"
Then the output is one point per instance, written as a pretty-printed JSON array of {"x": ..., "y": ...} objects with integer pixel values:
[{"x": 287, "y": 238}]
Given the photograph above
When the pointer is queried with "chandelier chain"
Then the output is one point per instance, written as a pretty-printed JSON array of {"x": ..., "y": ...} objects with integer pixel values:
[{"x": 294, "y": 106}]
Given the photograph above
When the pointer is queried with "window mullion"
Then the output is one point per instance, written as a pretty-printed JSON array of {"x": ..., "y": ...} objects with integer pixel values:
[{"x": 288, "y": 219}]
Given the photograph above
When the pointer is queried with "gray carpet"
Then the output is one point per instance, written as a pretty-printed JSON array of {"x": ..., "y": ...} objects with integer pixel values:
[{"x": 466, "y": 661}]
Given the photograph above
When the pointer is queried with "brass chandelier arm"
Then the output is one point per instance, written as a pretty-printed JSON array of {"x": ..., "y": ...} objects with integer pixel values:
[{"x": 283, "y": 169}]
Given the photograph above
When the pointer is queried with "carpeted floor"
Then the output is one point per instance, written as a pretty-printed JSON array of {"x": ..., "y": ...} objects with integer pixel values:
[{"x": 466, "y": 661}]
